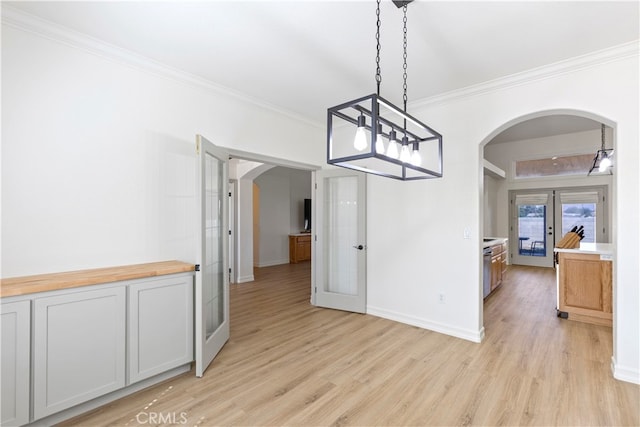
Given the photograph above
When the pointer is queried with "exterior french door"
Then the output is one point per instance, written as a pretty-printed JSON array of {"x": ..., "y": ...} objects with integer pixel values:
[
  {"x": 532, "y": 232},
  {"x": 341, "y": 248},
  {"x": 540, "y": 218},
  {"x": 212, "y": 281}
]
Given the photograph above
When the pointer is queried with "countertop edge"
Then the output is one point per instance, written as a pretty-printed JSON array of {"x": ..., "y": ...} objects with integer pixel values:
[
  {"x": 494, "y": 241},
  {"x": 589, "y": 248},
  {"x": 16, "y": 286}
]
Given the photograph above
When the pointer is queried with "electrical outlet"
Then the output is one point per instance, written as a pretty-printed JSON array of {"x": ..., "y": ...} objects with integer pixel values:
[
  {"x": 441, "y": 298},
  {"x": 466, "y": 233}
]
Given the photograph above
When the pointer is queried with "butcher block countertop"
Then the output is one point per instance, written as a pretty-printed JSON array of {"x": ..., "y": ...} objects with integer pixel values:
[{"x": 55, "y": 281}]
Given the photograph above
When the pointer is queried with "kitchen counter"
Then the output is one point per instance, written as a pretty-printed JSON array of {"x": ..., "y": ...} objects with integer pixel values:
[
  {"x": 55, "y": 281},
  {"x": 590, "y": 248},
  {"x": 494, "y": 241}
]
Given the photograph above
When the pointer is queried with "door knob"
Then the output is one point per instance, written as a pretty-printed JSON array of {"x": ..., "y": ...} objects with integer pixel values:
[{"x": 359, "y": 247}]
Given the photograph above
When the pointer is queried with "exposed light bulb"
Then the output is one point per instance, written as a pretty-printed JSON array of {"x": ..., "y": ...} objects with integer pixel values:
[
  {"x": 405, "y": 155},
  {"x": 604, "y": 163},
  {"x": 416, "y": 158},
  {"x": 379, "y": 140},
  {"x": 360, "y": 140},
  {"x": 392, "y": 148}
]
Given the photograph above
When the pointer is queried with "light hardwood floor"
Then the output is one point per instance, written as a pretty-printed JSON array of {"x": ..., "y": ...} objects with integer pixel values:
[{"x": 289, "y": 363}]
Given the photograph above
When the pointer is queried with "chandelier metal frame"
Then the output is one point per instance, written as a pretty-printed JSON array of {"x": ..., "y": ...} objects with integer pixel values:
[{"x": 379, "y": 119}]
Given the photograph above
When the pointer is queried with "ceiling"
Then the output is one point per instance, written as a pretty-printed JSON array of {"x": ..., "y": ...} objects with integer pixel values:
[{"x": 305, "y": 56}]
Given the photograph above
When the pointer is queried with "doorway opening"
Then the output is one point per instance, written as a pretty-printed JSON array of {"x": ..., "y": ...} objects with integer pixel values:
[{"x": 278, "y": 196}]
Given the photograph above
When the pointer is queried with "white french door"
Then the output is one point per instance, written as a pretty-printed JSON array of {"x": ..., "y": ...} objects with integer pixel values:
[
  {"x": 212, "y": 281},
  {"x": 540, "y": 218},
  {"x": 341, "y": 247}
]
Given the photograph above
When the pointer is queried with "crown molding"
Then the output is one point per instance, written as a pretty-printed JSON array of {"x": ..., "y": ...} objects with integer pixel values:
[
  {"x": 593, "y": 59},
  {"x": 58, "y": 33}
]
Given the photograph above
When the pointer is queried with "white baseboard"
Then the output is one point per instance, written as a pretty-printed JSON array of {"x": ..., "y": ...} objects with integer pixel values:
[
  {"x": 272, "y": 263},
  {"x": 465, "y": 334},
  {"x": 245, "y": 279},
  {"x": 625, "y": 373}
]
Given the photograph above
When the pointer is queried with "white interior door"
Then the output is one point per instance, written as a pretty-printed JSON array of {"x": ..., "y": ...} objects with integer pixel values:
[
  {"x": 532, "y": 230},
  {"x": 341, "y": 247},
  {"x": 212, "y": 281}
]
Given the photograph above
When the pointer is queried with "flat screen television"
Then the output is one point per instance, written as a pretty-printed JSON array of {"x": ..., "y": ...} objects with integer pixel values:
[{"x": 307, "y": 214}]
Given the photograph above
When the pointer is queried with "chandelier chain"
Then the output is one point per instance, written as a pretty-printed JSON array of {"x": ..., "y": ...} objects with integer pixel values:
[
  {"x": 378, "y": 72},
  {"x": 404, "y": 57},
  {"x": 602, "y": 133}
]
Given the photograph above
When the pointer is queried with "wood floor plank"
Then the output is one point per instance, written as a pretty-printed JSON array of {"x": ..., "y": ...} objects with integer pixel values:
[{"x": 289, "y": 363}]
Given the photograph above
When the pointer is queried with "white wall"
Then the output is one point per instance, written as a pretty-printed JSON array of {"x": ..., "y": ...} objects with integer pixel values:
[
  {"x": 282, "y": 191},
  {"x": 490, "y": 203},
  {"x": 415, "y": 230},
  {"x": 98, "y": 163}
]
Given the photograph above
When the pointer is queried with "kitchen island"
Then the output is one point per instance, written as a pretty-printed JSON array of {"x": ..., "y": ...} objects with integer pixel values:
[{"x": 584, "y": 283}]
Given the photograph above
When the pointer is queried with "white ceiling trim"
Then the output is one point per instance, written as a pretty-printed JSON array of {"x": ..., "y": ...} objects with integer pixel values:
[
  {"x": 61, "y": 34},
  {"x": 571, "y": 65}
]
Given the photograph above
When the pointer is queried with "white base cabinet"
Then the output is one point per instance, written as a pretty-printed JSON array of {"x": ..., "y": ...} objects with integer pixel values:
[
  {"x": 73, "y": 349},
  {"x": 16, "y": 342},
  {"x": 160, "y": 326},
  {"x": 79, "y": 348}
]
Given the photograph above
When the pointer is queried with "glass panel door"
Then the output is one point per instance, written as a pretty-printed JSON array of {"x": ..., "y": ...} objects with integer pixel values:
[
  {"x": 341, "y": 245},
  {"x": 532, "y": 229},
  {"x": 583, "y": 209},
  {"x": 212, "y": 282}
]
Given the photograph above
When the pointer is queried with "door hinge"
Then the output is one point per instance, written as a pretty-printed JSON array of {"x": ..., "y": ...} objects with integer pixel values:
[
  {"x": 229, "y": 193},
  {"x": 316, "y": 185},
  {"x": 315, "y": 290},
  {"x": 198, "y": 146},
  {"x": 229, "y": 232},
  {"x": 197, "y": 267}
]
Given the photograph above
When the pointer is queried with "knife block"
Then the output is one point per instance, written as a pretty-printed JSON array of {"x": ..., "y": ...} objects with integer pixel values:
[{"x": 569, "y": 241}]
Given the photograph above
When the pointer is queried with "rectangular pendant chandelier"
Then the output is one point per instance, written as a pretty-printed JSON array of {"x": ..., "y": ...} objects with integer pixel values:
[{"x": 372, "y": 135}]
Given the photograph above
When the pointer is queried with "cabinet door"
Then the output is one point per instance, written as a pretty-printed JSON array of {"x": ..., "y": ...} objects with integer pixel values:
[
  {"x": 16, "y": 342},
  {"x": 160, "y": 326},
  {"x": 496, "y": 272},
  {"x": 585, "y": 288},
  {"x": 79, "y": 348}
]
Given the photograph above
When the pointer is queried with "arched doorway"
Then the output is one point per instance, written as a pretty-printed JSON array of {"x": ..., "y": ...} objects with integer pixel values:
[{"x": 541, "y": 135}]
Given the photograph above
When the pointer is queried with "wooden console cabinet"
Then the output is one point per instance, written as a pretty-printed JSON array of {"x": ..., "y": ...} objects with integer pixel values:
[
  {"x": 584, "y": 288},
  {"x": 299, "y": 247}
]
